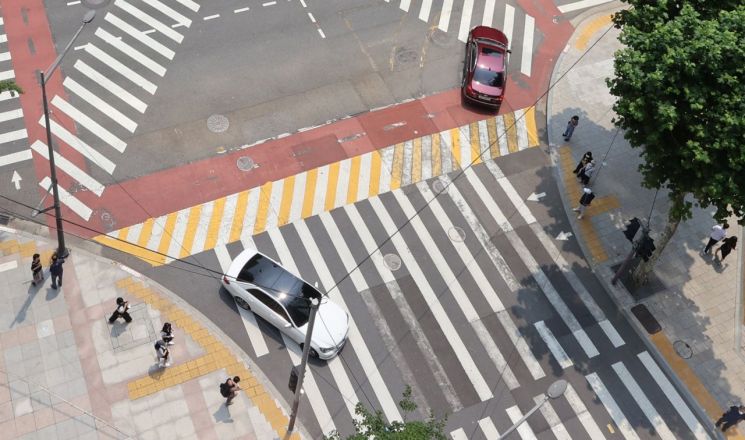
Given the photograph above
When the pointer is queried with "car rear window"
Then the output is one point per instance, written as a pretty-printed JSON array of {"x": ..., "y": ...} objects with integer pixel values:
[
  {"x": 488, "y": 77},
  {"x": 260, "y": 271}
]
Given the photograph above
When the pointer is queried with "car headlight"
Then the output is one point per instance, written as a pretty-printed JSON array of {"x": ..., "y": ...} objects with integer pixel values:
[{"x": 327, "y": 350}]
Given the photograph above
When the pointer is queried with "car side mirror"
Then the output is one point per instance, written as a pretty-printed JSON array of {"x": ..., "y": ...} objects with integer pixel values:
[
  {"x": 288, "y": 325},
  {"x": 509, "y": 51}
]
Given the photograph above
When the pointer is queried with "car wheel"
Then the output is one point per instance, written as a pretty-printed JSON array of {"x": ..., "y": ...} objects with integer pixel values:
[
  {"x": 313, "y": 353},
  {"x": 242, "y": 303}
]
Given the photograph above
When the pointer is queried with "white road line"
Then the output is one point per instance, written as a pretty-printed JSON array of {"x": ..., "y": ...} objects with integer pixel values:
[
  {"x": 298, "y": 196},
  {"x": 320, "y": 32},
  {"x": 672, "y": 395},
  {"x": 465, "y": 20},
  {"x": 15, "y": 157},
  {"x": 509, "y": 23},
  {"x": 150, "y": 21},
  {"x": 5, "y": 56},
  {"x": 177, "y": 235},
  {"x": 226, "y": 221},
  {"x": 465, "y": 305},
  {"x": 610, "y": 405},
  {"x": 447, "y": 9},
  {"x": 526, "y": 57},
  {"x": 81, "y": 147},
  {"x": 443, "y": 319},
  {"x": 342, "y": 183},
  {"x": 555, "y": 254},
  {"x": 488, "y": 13},
  {"x": 69, "y": 200},
  {"x": 527, "y": 258},
  {"x": 502, "y": 137},
  {"x": 166, "y": 10},
  {"x": 69, "y": 168},
  {"x": 140, "y": 36},
  {"x": 100, "y": 104},
  {"x": 11, "y": 114},
  {"x": 109, "y": 85},
  {"x": 405, "y": 4},
  {"x": 211, "y": 17},
  {"x": 72, "y": 3},
  {"x": 10, "y": 265},
  {"x": 426, "y": 160},
  {"x": 424, "y": 10},
  {"x": 203, "y": 224},
  {"x": 386, "y": 163},
  {"x": 7, "y": 74},
  {"x": 521, "y": 129},
  {"x": 255, "y": 336},
  {"x": 406, "y": 165},
  {"x": 556, "y": 350},
  {"x": 269, "y": 4},
  {"x": 322, "y": 181},
  {"x": 488, "y": 428},
  {"x": 644, "y": 404},
  {"x": 312, "y": 18},
  {"x": 125, "y": 71},
  {"x": 363, "y": 181},
  {"x": 525, "y": 431},
  {"x": 249, "y": 219},
  {"x": 14, "y": 135},
  {"x": 464, "y": 136},
  {"x": 275, "y": 201},
  {"x": 190, "y": 4},
  {"x": 390, "y": 409},
  {"x": 581, "y": 5},
  {"x": 239, "y": 10},
  {"x": 484, "y": 145},
  {"x": 583, "y": 415},
  {"x": 3, "y": 38},
  {"x": 131, "y": 52},
  {"x": 553, "y": 419},
  {"x": 6, "y": 95},
  {"x": 92, "y": 126},
  {"x": 312, "y": 392},
  {"x": 133, "y": 233},
  {"x": 459, "y": 434}
]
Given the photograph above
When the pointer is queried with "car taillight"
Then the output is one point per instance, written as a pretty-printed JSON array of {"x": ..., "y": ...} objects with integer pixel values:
[
  {"x": 469, "y": 90},
  {"x": 225, "y": 279}
]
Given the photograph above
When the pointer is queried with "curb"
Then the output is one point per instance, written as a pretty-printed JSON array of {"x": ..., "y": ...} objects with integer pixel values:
[{"x": 618, "y": 294}]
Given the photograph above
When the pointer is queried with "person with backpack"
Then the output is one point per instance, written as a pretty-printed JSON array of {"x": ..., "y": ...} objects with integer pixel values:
[
  {"x": 166, "y": 333},
  {"x": 586, "y": 158},
  {"x": 37, "y": 270},
  {"x": 122, "y": 310},
  {"x": 55, "y": 268},
  {"x": 584, "y": 202},
  {"x": 586, "y": 173},
  {"x": 732, "y": 417},
  {"x": 728, "y": 244},
  {"x": 161, "y": 350},
  {"x": 229, "y": 389}
]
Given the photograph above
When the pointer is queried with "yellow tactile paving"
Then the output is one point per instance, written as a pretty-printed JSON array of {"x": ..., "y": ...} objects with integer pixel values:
[
  {"x": 249, "y": 212},
  {"x": 586, "y": 33},
  {"x": 216, "y": 357}
]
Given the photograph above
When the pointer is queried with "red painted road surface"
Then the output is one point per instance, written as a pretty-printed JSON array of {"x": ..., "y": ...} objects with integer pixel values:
[{"x": 170, "y": 190}]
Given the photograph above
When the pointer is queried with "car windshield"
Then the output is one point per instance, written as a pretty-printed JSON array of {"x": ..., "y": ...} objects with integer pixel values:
[
  {"x": 490, "y": 68},
  {"x": 289, "y": 290}
]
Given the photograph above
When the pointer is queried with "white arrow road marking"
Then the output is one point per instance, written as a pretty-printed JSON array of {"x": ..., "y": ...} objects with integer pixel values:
[
  {"x": 16, "y": 179},
  {"x": 533, "y": 197}
]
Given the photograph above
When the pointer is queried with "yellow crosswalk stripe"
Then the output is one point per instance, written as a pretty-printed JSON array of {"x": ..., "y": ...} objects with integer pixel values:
[
  {"x": 123, "y": 233},
  {"x": 436, "y": 155},
  {"x": 397, "y": 166},
  {"x": 475, "y": 144},
  {"x": 214, "y": 228},
  {"x": 147, "y": 230},
  {"x": 511, "y": 129},
  {"x": 167, "y": 236},
  {"x": 240, "y": 211},
  {"x": 331, "y": 187},
  {"x": 375, "y": 167},
  {"x": 491, "y": 129},
  {"x": 191, "y": 228},
  {"x": 354, "y": 179},
  {"x": 416, "y": 161},
  {"x": 531, "y": 126},
  {"x": 261, "y": 215},
  {"x": 455, "y": 147},
  {"x": 288, "y": 190},
  {"x": 310, "y": 191}
]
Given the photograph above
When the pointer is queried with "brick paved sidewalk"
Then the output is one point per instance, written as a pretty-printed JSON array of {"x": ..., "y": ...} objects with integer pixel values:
[
  {"x": 695, "y": 301},
  {"x": 66, "y": 373}
]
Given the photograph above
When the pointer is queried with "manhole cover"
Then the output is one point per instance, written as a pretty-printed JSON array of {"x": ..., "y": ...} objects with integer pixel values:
[
  {"x": 684, "y": 350},
  {"x": 438, "y": 186},
  {"x": 456, "y": 234},
  {"x": 406, "y": 56},
  {"x": 393, "y": 262},
  {"x": 442, "y": 39},
  {"x": 107, "y": 220},
  {"x": 245, "y": 163},
  {"x": 217, "y": 123}
]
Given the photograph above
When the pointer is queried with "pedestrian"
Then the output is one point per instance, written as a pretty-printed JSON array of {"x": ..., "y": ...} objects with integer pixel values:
[
  {"x": 571, "y": 125},
  {"x": 164, "y": 356},
  {"x": 166, "y": 334},
  {"x": 36, "y": 269},
  {"x": 718, "y": 232},
  {"x": 587, "y": 172},
  {"x": 586, "y": 158},
  {"x": 584, "y": 202},
  {"x": 230, "y": 389},
  {"x": 731, "y": 417},
  {"x": 55, "y": 268},
  {"x": 728, "y": 244},
  {"x": 122, "y": 310}
]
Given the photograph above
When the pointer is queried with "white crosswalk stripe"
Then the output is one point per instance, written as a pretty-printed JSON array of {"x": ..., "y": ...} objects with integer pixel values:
[
  {"x": 125, "y": 71},
  {"x": 579, "y": 408},
  {"x": 525, "y": 431},
  {"x": 611, "y": 406},
  {"x": 548, "y": 412},
  {"x": 553, "y": 345},
  {"x": 170, "y": 12},
  {"x": 112, "y": 87},
  {"x": 150, "y": 21},
  {"x": 641, "y": 399},
  {"x": 69, "y": 168},
  {"x": 131, "y": 52},
  {"x": 83, "y": 148},
  {"x": 92, "y": 126},
  {"x": 68, "y": 200},
  {"x": 144, "y": 39}
]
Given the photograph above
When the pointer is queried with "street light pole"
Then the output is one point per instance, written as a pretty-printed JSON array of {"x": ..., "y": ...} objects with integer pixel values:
[
  {"x": 554, "y": 391},
  {"x": 43, "y": 78},
  {"x": 314, "y": 303}
]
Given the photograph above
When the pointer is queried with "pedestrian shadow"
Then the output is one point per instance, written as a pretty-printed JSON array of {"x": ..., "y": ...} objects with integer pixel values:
[
  {"x": 222, "y": 415},
  {"x": 23, "y": 311},
  {"x": 117, "y": 328},
  {"x": 155, "y": 371}
]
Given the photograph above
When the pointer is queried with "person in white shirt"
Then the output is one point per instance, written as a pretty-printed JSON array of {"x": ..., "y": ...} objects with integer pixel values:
[{"x": 718, "y": 232}]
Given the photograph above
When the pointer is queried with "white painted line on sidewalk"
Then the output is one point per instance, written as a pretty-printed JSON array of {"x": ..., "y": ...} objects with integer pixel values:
[
  {"x": 81, "y": 147},
  {"x": 15, "y": 157},
  {"x": 10, "y": 265},
  {"x": 166, "y": 10},
  {"x": 526, "y": 57},
  {"x": 11, "y": 114},
  {"x": 150, "y": 21},
  {"x": 553, "y": 345},
  {"x": 641, "y": 400},
  {"x": 612, "y": 407},
  {"x": 142, "y": 37},
  {"x": 91, "y": 125},
  {"x": 509, "y": 24},
  {"x": 69, "y": 168},
  {"x": 447, "y": 9},
  {"x": 525, "y": 431},
  {"x": 581, "y": 5},
  {"x": 557, "y": 427},
  {"x": 583, "y": 415},
  {"x": 115, "y": 115},
  {"x": 14, "y": 135},
  {"x": 425, "y": 10},
  {"x": 69, "y": 200},
  {"x": 672, "y": 395},
  {"x": 488, "y": 13},
  {"x": 125, "y": 71},
  {"x": 465, "y": 20},
  {"x": 443, "y": 319},
  {"x": 109, "y": 85}
]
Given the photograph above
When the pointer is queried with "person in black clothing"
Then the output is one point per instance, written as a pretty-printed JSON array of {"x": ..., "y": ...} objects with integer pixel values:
[
  {"x": 586, "y": 158},
  {"x": 166, "y": 334},
  {"x": 36, "y": 269},
  {"x": 584, "y": 202},
  {"x": 122, "y": 310},
  {"x": 731, "y": 418},
  {"x": 728, "y": 244},
  {"x": 55, "y": 268}
]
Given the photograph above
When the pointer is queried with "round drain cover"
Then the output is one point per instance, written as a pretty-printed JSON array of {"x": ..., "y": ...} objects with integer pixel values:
[
  {"x": 393, "y": 262},
  {"x": 438, "y": 186},
  {"x": 456, "y": 234},
  {"x": 684, "y": 350},
  {"x": 245, "y": 163},
  {"x": 217, "y": 123}
]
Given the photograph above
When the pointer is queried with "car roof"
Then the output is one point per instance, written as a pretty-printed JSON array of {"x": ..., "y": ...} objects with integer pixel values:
[{"x": 496, "y": 36}]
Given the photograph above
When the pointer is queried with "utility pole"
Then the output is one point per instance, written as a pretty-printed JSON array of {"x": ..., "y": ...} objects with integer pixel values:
[
  {"x": 555, "y": 390},
  {"x": 314, "y": 302}
]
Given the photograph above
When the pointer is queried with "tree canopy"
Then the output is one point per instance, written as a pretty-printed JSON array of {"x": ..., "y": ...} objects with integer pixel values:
[
  {"x": 680, "y": 84},
  {"x": 11, "y": 86}
]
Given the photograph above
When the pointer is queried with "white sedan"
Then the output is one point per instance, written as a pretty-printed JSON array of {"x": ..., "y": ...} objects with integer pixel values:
[{"x": 261, "y": 285}]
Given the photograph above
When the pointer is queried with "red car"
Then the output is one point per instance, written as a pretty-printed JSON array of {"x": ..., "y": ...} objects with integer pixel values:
[{"x": 485, "y": 68}]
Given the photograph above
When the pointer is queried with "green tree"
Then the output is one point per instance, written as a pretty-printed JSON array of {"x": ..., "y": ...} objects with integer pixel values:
[
  {"x": 680, "y": 84},
  {"x": 10, "y": 86},
  {"x": 372, "y": 425}
]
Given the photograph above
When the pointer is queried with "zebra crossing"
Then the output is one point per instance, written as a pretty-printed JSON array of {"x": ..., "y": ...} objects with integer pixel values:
[
  {"x": 13, "y": 136},
  {"x": 459, "y": 293},
  {"x": 113, "y": 75}
]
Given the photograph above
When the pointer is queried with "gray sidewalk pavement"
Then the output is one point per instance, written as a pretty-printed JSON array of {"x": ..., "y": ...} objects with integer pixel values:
[
  {"x": 67, "y": 373},
  {"x": 695, "y": 301}
]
